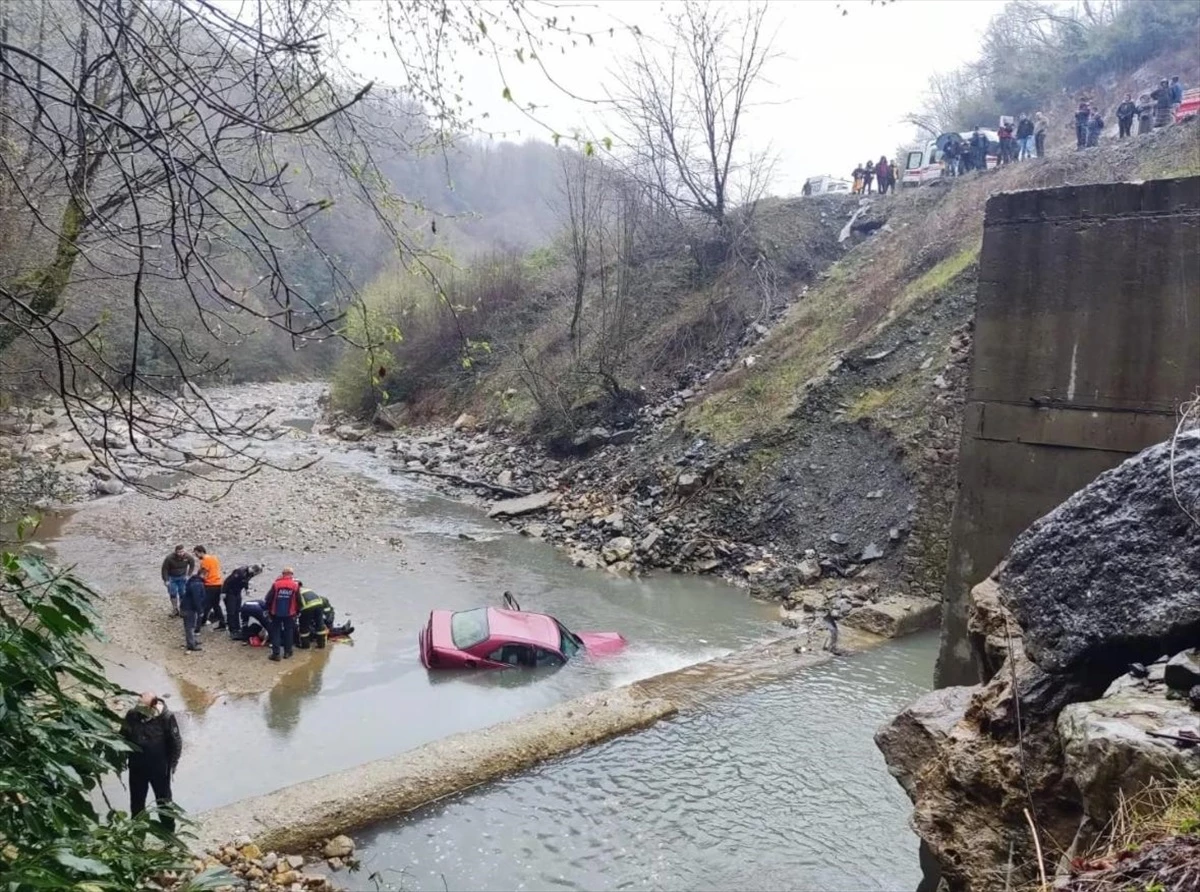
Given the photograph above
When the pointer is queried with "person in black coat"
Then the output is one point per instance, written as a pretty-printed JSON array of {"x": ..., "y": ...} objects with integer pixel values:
[
  {"x": 1126, "y": 112},
  {"x": 153, "y": 733}
]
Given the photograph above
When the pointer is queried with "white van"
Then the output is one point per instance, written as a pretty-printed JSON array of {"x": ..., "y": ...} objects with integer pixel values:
[
  {"x": 924, "y": 166},
  {"x": 825, "y": 185}
]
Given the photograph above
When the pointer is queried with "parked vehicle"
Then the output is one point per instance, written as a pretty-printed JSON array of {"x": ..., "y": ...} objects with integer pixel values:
[
  {"x": 495, "y": 638},
  {"x": 924, "y": 166},
  {"x": 1190, "y": 104},
  {"x": 825, "y": 185}
]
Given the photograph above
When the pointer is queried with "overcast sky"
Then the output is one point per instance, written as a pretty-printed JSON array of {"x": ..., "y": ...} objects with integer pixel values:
[{"x": 833, "y": 98}]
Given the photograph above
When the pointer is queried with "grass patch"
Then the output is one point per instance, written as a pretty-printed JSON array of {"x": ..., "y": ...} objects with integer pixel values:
[{"x": 869, "y": 402}]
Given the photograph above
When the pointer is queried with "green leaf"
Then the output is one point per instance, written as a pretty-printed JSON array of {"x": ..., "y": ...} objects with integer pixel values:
[
  {"x": 507, "y": 94},
  {"x": 90, "y": 866}
]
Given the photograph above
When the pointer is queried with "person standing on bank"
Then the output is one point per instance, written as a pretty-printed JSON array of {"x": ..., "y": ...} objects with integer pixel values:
[
  {"x": 283, "y": 604},
  {"x": 210, "y": 572},
  {"x": 1040, "y": 125},
  {"x": 153, "y": 733},
  {"x": 191, "y": 608},
  {"x": 1126, "y": 112},
  {"x": 176, "y": 568}
]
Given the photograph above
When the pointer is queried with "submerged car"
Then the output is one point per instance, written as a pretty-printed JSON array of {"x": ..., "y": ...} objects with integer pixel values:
[{"x": 495, "y": 638}]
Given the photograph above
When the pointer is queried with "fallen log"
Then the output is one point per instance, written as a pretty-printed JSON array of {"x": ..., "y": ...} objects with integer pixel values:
[{"x": 465, "y": 481}]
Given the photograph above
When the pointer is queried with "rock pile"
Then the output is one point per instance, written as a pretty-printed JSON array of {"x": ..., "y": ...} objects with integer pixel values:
[
  {"x": 1063, "y": 725},
  {"x": 245, "y": 866}
]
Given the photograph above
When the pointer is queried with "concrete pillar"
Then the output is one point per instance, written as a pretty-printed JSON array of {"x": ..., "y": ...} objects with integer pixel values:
[{"x": 1087, "y": 340}]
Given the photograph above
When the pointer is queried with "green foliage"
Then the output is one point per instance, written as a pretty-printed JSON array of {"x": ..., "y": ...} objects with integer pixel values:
[
  {"x": 448, "y": 321},
  {"x": 58, "y": 739},
  {"x": 1033, "y": 49}
]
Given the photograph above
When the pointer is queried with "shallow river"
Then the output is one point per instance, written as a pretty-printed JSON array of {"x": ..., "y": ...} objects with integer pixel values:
[
  {"x": 781, "y": 788},
  {"x": 778, "y": 788}
]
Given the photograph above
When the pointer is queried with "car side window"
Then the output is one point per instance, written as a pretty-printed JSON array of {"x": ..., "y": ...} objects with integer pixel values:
[
  {"x": 514, "y": 655},
  {"x": 547, "y": 657}
]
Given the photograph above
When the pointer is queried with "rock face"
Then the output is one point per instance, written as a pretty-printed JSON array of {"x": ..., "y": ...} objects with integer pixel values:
[{"x": 1110, "y": 576}]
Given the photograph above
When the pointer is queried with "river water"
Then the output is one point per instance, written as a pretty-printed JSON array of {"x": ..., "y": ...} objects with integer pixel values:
[
  {"x": 781, "y": 788},
  {"x": 778, "y": 788}
]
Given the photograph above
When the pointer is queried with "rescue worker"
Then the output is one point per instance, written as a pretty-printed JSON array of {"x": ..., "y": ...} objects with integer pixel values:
[
  {"x": 176, "y": 568},
  {"x": 191, "y": 607},
  {"x": 313, "y": 625},
  {"x": 282, "y": 603},
  {"x": 254, "y": 622},
  {"x": 234, "y": 587},
  {"x": 153, "y": 732},
  {"x": 210, "y": 571}
]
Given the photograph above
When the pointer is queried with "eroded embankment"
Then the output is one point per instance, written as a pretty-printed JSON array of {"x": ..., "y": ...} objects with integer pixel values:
[{"x": 301, "y": 816}]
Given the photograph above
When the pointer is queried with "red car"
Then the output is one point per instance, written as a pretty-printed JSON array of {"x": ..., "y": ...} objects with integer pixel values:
[{"x": 492, "y": 638}]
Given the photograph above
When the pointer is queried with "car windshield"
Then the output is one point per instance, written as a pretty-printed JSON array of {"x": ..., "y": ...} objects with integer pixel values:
[
  {"x": 569, "y": 642},
  {"x": 469, "y": 627}
]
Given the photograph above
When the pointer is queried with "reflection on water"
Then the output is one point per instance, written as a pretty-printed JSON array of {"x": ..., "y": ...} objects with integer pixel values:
[
  {"x": 285, "y": 699},
  {"x": 779, "y": 788}
]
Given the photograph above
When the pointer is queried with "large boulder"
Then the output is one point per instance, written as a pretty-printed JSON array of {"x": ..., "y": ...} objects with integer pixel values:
[
  {"x": 1112, "y": 576},
  {"x": 393, "y": 417},
  {"x": 1108, "y": 752},
  {"x": 910, "y": 740},
  {"x": 897, "y": 616}
]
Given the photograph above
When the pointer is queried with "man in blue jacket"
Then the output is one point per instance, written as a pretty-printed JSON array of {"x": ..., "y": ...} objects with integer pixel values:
[{"x": 191, "y": 605}]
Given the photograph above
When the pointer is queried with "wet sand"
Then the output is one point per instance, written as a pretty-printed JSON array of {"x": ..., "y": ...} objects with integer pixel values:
[{"x": 320, "y": 510}]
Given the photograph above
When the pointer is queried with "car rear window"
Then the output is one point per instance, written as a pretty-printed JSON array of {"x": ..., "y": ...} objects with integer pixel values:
[{"x": 469, "y": 628}]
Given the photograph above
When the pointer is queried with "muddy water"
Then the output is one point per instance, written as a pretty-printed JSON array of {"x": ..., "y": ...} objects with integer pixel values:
[
  {"x": 371, "y": 698},
  {"x": 781, "y": 788}
]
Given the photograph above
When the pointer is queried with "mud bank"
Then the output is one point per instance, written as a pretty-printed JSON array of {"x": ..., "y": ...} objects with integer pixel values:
[{"x": 301, "y": 816}]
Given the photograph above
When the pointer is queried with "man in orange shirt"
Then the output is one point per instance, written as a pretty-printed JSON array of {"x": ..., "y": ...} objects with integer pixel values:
[{"x": 209, "y": 569}]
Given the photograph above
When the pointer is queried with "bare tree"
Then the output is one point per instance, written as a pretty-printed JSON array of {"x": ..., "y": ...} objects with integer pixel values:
[
  {"x": 160, "y": 157},
  {"x": 579, "y": 186},
  {"x": 684, "y": 108}
]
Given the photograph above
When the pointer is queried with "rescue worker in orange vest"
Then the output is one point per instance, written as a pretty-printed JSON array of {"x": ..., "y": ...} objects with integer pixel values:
[
  {"x": 316, "y": 616},
  {"x": 283, "y": 604},
  {"x": 209, "y": 569}
]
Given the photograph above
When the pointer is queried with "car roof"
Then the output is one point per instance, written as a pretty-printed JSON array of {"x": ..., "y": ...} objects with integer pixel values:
[{"x": 516, "y": 625}]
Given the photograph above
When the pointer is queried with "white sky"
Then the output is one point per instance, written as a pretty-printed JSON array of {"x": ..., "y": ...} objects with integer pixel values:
[{"x": 833, "y": 98}]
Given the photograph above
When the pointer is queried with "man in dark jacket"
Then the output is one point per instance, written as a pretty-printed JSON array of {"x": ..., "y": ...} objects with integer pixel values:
[
  {"x": 176, "y": 568},
  {"x": 1126, "y": 112},
  {"x": 234, "y": 587},
  {"x": 1176, "y": 94},
  {"x": 316, "y": 619},
  {"x": 1024, "y": 138},
  {"x": 191, "y": 606},
  {"x": 283, "y": 604},
  {"x": 979, "y": 149},
  {"x": 153, "y": 732},
  {"x": 1095, "y": 128},
  {"x": 1082, "y": 117}
]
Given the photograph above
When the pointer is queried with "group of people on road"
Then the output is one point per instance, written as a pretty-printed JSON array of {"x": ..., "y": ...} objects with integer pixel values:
[
  {"x": 1153, "y": 109},
  {"x": 881, "y": 174},
  {"x": 288, "y": 616}
]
